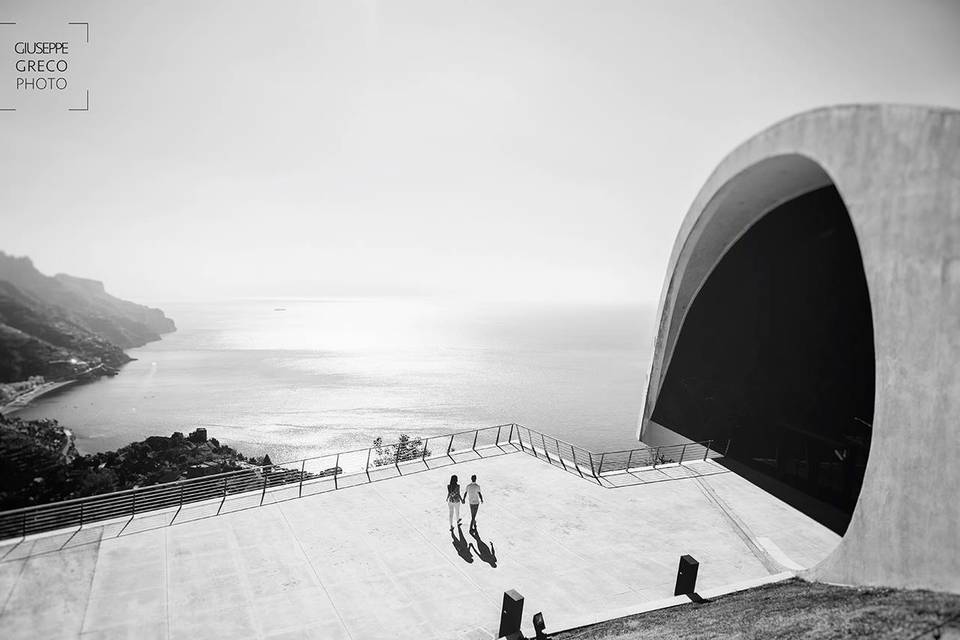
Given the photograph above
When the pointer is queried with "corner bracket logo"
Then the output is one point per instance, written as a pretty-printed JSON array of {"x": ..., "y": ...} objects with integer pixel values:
[{"x": 43, "y": 66}]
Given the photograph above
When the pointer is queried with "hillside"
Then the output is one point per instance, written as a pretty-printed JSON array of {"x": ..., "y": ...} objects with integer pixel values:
[
  {"x": 62, "y": 325},
  {"x": 41, "y": 463}
]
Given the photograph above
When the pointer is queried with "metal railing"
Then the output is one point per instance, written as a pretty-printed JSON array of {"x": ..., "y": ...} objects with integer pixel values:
[
  {"x": 585, "y": 462},
  {"x": 294, "y": 478},
  {"x": 307, "y": 476}
]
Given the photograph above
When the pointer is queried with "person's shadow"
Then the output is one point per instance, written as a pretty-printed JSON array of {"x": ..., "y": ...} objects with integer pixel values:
[
  {"x": 486, "y": 553},
  {"x": 460, "y": 544}
]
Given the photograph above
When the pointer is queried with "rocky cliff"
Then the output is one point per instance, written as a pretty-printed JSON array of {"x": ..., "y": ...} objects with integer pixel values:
[{"x": 55, "y": 326}]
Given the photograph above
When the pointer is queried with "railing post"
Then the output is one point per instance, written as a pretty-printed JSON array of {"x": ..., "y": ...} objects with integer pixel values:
[
  {"x": 629, "y": 460},
  {"x": 727, "y": 448},
  {"x": 498, "y": 434},
  {"x": 707, "y": 452},
  {"x": 593, "y": 470},
  {"x": 262, "y": 495},
  {"x": 24, "y": 534},
  {"x": 424, "y": 456},
  {"x": 224, "y": 499},
  {"x": 303, "y": 466},
  {"x": 545, "y": 452},
  {"x": 133, "y": 511},
  {"x": 81, "y": 514},
  {"x": 396, "y": 458},
  {"x": 510, "y": 437},
  {"x": 560, "y": 455},
  {"x": 450, "y": 446},
  {"x": 366, "y": 468},
  {"x": 520, "y": 439},
  {"x": 181, "y": 504},
  {"x": 600, "y": 470},
  {"x": 576, "y": 465},
  {"x": 336, "y": 472},
  {"x": 475, "y": 434},
  {"x": 682, "y": 451}
]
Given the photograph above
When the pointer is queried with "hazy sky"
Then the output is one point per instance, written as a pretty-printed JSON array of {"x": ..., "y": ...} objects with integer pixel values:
[{"x": 514, "y": 149}]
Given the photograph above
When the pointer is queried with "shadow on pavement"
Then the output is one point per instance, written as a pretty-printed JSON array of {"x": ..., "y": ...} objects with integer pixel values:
[
  {"x": 485, "y": 552},
  {"x": 461, "y": 545}
]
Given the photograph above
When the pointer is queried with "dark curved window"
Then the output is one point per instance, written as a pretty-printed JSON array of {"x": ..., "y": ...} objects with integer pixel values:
[{"x": 776, "y": 353}]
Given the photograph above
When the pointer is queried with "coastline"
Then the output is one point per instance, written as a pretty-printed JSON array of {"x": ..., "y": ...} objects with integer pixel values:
[{"x": 25, "y": 399}]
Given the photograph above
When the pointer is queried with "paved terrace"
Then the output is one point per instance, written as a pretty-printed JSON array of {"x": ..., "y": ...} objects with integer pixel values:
[{"x": 377, "y": 560}]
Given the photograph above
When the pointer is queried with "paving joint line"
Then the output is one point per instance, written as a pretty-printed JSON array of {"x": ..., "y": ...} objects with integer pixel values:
[
  {"x": 93, "y": 577},
  {"x": 741, "y": 529},
  {"x": 313, "y": 569},
  {"x": 13, "y": 587}
]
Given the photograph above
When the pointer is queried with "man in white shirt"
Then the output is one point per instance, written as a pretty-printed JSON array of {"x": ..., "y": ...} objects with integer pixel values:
[{"x": 473, "y": 497}]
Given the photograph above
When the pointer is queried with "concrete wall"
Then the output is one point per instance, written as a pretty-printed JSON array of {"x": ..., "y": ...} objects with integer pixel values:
[{"x": 897, "y": 169}]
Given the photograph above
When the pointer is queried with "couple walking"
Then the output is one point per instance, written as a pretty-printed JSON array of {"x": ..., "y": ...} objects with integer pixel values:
[{"x": 472, "y": 496}]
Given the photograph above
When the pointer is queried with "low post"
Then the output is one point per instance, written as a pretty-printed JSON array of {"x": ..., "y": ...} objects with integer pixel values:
[
  {"x": 707, "y": 452},
  {"x": 686, "y": 576},
  {"x": 303, "y": 466},
  {"x": 539, "y": 626},
  {"x": 511, "y": 615},
  {"x": 336, "y": 472}
]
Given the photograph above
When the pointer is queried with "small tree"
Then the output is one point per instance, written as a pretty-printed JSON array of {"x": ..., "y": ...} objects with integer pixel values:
[{"x": 406, "y": 448}]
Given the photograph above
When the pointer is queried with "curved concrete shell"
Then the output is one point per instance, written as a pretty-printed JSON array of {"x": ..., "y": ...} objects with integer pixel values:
[{"x": 897, "y": 170}]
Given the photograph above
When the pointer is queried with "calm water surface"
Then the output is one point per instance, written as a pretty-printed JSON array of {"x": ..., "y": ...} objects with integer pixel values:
[{"x": 323, "y": 375}]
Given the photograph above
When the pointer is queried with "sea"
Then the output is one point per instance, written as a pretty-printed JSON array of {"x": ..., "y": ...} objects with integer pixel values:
[{"x": 304, "y": 377}]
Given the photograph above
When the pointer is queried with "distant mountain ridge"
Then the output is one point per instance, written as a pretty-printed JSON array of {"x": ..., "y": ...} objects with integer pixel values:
[{"x": 48, "y": 320}]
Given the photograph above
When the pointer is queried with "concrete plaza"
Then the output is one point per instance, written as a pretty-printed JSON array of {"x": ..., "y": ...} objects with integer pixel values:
[{"x": 377, "y": 560}]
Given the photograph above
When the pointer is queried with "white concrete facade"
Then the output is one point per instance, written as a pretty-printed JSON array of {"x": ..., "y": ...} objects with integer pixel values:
[{"x": 897, "y": 169}]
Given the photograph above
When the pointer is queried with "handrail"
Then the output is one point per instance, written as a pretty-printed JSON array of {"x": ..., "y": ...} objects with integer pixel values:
[
  {"x": 608, "y": 460},
  {"x": 259, "y": 478},
  {"x": 255, "y": 479}
]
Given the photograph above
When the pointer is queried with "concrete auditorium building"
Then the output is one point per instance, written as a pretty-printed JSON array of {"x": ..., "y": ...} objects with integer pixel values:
[{"x": 811, "y": 313}]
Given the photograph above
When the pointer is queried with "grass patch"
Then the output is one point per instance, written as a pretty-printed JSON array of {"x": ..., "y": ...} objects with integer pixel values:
[{"x": 792, "y": 609}]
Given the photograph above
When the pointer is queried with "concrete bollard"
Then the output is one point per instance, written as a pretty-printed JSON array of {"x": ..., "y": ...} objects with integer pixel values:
[
  {"x": 686, "y": 576},
  {"x": 511, "y": 615}
]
